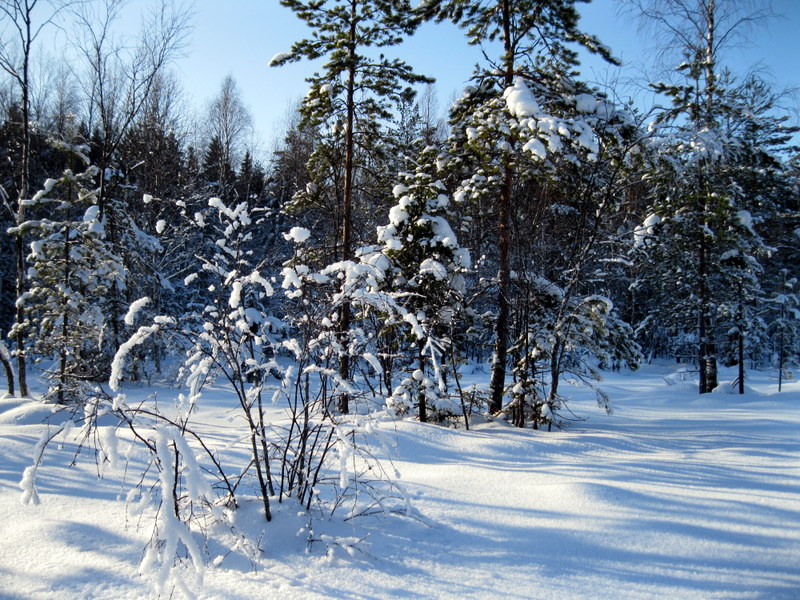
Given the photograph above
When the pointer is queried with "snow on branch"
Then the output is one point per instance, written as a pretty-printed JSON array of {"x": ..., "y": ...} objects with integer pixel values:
[
  {"x": 118, "y": 363},
  {"x": 134, "y": 308}
]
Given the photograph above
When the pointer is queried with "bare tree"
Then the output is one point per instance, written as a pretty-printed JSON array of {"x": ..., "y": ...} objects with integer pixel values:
[
  {"x": 22, "y": 23},
  {"x": 119, "y": 81},
  {"x": 230, "y": 122},
  {"x": 55, "y": 102},
  {"x": 680, "y": 28},
  {"x": 434, "y": 125},
  {"x": 121, "y": 75}
]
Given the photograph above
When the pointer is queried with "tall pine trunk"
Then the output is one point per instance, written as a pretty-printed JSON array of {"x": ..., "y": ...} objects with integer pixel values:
[
  {"x": 740, "y": 337},
  {"x": 347, "y": 209},
  {"x": 64, "y": 350},
  {"x": 707, "y": 347},
  {"x": 498, "y": 378},
  {"x": 421, "y": 401}
]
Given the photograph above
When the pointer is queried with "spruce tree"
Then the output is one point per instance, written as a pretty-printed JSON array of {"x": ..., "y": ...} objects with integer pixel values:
[
  {"x": 216, "y": 170},
  {"x": 424, "y": 271},
  {"x": 72, "y": 269}
]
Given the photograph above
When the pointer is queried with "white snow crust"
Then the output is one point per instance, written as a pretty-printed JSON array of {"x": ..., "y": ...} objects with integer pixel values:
[{"x": 674, "y": 496}]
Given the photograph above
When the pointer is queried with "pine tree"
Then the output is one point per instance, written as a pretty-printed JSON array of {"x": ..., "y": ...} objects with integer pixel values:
[
  {"x": 151, "y": 154},
  {"x": 72, "y": 269},
  {"x": 352, "y": 95},
  {"x": 534, "y": 66},
  {"x": 250, "y": 180},
  {"x": 216, "y": 169},
  {"x": 708, "y": 208},
  {"x": 784, "y": 326}
]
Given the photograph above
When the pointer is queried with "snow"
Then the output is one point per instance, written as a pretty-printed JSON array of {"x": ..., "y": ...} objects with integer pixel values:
[
  {"x": 643, "y": 232},
  {"x": 399, "y": 189},
  {"x": 520, "y": 100},
  {"x": 586, "y": 136},
  {"x": 49, "y": 184},
  {"x": 585, "y": 103},
  {"x": 91, "y": 214},
  {"x": 279, "y": 58},
  {"x": 674, "y": 496},
  {"x": 297, "y": 234},
  {"x": 236, "y": 294},
  {"x": 728, "y": 254},
  {"x": 536, "y": 147},
  {"x": 398, "y": 214},
  {"x": 118, "y": 363},
  {"x": 746, "y": 219},
  {"x": 434, "y": 268},
  {"x": 134, "y": 308},
  {"x": 220, "y": 206},
  {"x": 291, "y": 279}
]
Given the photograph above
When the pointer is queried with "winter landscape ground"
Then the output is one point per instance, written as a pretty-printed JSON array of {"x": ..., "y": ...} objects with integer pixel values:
[{"x": 675, "y": 495}]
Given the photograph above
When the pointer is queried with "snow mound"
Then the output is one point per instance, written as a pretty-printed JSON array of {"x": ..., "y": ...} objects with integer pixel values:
[
  {"x": 24, "y": 411},
  {"x": 732, "y": 387}
]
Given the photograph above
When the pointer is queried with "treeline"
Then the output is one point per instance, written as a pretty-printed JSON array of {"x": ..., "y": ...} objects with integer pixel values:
[{"x": 543, "y": 227}]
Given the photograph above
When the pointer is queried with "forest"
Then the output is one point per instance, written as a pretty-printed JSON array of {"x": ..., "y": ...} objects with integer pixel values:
[{"x": 544, "y": 232}]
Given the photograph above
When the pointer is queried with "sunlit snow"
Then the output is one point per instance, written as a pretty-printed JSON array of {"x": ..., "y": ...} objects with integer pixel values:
[{"x": 674, "y": 496}]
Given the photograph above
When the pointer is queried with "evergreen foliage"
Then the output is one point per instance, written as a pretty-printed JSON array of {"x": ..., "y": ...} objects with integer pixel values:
[{"x": 424, "y": 269}]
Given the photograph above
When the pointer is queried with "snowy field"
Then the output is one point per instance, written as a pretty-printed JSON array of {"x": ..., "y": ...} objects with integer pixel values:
[{"x": 673, "y": 496}]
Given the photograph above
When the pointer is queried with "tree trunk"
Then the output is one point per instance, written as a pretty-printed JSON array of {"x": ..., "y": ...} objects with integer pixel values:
[
  {"x": 5, "y": 358},
  {"x": 19, "y": 244},
  {"x": 780, "y": 355},
  {"x": 349, "y": 140},
  {"x": 62, "y": 366},
  {"x": 423, "y": 406},
  {"x": 740, "y": 339},
  {"x": 498, "y": 378},
  {"x": 497, "y": 382},
  {"x": 741, "y": 363},
  {"x": 707, "y": 360},
  {"x": 708, "y": 351},
  {"x": 19, "y": 336}
]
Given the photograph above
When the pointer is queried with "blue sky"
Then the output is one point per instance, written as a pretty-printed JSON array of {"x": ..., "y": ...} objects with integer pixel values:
[{"x": 238, "y": 37}]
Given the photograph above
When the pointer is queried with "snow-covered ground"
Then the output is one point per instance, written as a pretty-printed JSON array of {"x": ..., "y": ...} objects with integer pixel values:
[{"x": 672, "y": 496}]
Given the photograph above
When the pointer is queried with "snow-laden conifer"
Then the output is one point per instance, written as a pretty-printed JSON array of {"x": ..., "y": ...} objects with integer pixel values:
[
  {"x": 350, "y": 100},
  {"x": 424, "y": 269},
  {"x": 72, "y": 268},
  {"x": 714, "y": 182},
  {"x": 515, "y": 119}
]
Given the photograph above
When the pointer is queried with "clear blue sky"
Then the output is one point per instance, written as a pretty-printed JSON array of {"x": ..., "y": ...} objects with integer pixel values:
[{"x": 238, "y": 37}]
